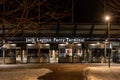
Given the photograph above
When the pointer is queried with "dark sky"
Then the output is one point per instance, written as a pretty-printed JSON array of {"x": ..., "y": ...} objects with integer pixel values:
[
  {"x": 87, "y": 11},
  {"x": 93, "y": 11}
]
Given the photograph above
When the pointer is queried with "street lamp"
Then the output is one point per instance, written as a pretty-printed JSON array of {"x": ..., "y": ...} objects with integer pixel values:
[
  {"x": 107, "y": 18},
  {"x": 3, "y": 48}
]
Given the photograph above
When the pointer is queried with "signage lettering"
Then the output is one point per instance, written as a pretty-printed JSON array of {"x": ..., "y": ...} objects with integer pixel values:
[{"x": 49, "y": 40}]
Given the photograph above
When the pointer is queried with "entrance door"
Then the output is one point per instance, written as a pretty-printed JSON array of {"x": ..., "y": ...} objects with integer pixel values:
[{"x": 44, "y": 55}]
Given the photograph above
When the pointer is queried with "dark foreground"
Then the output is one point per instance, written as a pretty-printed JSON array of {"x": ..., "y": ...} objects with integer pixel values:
[
  {"x": 35, "y": 72},
  {"x": 65, "y": 72},
  {"x": 50, "y": 71}
]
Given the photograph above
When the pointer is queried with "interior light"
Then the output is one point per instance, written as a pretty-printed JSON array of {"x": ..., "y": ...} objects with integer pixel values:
[
  {"x": 46, "y": 44},
  {"x": 98, "y": 43},
  {"x": 30, "y": 44},
  {"x": 13, "y": 44},
  {"x": 78, "y": 44},
  {"x": 62, "y": 44}
]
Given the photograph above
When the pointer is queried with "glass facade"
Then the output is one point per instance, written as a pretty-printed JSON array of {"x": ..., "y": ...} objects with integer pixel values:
[{"x": 83, "y": 52}]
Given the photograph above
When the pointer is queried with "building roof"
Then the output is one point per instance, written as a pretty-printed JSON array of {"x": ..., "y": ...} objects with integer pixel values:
[{"x": 88, "y": 31}]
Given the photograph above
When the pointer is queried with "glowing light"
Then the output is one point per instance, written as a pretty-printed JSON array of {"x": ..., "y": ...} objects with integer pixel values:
[
  {"x": 98, "y": 43},
  {"x": 13, "y": 44},
  {"x": 107, "y": 18},
  {"x": 78, "y": 44},
  {"x": 46, "y": 44},
  {"x": 30, "y": 44},
  {"x": 62, "y": 44}
]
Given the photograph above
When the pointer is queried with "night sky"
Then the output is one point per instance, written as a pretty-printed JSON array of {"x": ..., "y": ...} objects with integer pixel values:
[
  {"x": 84, "y": 11},
  {"x": 93, "y": 11},
  {"x": 87, "y": 11}
]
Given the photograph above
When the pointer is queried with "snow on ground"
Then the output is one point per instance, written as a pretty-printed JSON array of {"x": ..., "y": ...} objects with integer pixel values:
[
  {"x": 102, "y": 73},
  {"x": 23, "y": 74}
]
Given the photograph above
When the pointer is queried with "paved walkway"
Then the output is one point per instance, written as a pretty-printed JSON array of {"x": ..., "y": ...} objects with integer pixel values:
[
  {"x": 69, "y": 71},
  {"x": 17, "y": 66},
  {"x": 35, "y": 71},
  {"x": 23, "y": 74},
  {"x": 102, "y": 73}
]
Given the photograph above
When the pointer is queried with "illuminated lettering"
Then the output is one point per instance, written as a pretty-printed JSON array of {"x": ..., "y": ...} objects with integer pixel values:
[{"x": 58, "y": 40}]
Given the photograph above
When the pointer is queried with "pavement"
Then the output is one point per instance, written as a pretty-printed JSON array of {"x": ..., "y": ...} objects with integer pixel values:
[
  {"x": 63, "y": 71},
  {"x": 17, "y": 66},
  {"x": 22, "y": 71},
  {"x": 102, "y": 73}
]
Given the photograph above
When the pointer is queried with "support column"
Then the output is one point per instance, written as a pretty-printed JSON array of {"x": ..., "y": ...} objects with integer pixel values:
[
  {"x": 105, "y": 51},
  {"x": 3, "y": 56}
]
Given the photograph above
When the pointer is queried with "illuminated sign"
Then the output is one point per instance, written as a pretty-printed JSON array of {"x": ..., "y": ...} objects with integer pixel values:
[{"x": 49, "y": 40}]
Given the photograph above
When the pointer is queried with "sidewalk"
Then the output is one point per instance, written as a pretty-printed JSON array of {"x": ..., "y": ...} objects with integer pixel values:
[
  {"x": 92, "y": 71},
  {"x": 22, "y": 71},
  {"x": 42, "y": 71},
  {"x": 17, "y": 66},
  {"x": 102, "y": 73}
]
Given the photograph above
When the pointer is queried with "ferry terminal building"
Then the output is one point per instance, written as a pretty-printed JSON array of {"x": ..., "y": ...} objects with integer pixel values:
[{"x": 60, "y": 43}]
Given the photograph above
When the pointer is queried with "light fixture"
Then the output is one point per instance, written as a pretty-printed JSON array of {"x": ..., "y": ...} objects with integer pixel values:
[
  {"x": 62, "y": 44},
  {"x": 13, "y": 44},
  {"x": 98, "y": 43},
  {"x": 30, "y": 44},
  {"x": 46, "y": 44},
  {"x": 107, "y": 18}
]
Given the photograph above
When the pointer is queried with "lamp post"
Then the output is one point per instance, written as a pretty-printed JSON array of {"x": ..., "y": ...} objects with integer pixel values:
[
  {"x": 3, "y": 48},
  {"x": 72, "y": 11},
  {"x": 107, "y": 18}
]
